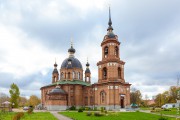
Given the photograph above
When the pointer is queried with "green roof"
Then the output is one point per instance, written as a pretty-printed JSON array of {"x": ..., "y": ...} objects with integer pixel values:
[{"x": 72, "y": 82}]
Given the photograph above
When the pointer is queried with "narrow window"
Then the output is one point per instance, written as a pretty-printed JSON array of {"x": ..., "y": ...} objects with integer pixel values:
[
  {"x": 68, "y": 75},
  {"x": 78, "y": 75},
  {"x": 104, "y": 73},
  {"x": 105, "y": 52},
  {"x": 62, "y": 75},
  {"x": 73, "y": 75},
  {"x": 116, "y": 51},
  {"x": 103, "y": 97},
  {"x": 86, "y": 100},
  {"x": 119, "y": 72},
  {"x": 91, "y": 100}
]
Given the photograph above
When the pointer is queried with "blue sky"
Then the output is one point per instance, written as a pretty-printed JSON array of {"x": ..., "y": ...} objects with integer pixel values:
[{"x": 33, "y": 33}]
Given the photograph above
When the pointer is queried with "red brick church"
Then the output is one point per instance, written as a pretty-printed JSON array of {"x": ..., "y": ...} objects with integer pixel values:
[{"x": 71, "y": 87}]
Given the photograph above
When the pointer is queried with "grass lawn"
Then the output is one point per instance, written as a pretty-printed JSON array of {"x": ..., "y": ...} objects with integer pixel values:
[
  {"x": 145, "y": 108},
  {"x": 33, "y": 116},
  {"x": 172, "y": 112},
  {"x": 114, "y": 116}
]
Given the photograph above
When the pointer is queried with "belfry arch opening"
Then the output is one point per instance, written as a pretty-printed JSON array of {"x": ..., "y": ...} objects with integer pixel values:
[
  {"x": 105, "y": 52},
  {"x": 104, "y": 73},
  {"x": 116, "y": 51}
]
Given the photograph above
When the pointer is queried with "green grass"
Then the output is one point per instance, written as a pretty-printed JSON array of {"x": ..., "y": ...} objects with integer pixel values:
[
  {"x": 172, "y": 112},
  {"x": 145, "y": 108},
  {"x": 33, "y": 116},
  {"x": 114, "y": 116}
]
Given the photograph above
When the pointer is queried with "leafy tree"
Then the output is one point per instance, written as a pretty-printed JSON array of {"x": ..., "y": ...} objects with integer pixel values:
[
  {"x": 158, "y": 100},
  {"x": 14, "y": 93},
  {"x": 34, "y": 100},
  {"x": 173, "y": 94},
  {"x": 23, "y": 101},
  {"x": 135, "y": 96},
  {"x": 167, "y": 96}
]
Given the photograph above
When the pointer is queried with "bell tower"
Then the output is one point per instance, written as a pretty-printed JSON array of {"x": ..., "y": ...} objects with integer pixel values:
[
  {"x": 87, "y": 73},
  {"x": 110, "y": 68},
  {"x": 55, "y": 74}
]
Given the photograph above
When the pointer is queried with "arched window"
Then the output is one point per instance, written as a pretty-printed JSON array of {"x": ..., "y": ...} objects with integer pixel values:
[
  {"x": 91, "y": 100},
  {"x": 119, "y": 72},
  {"x": 62, "y": 75},
  {"x": 103, "y": 97},
  {"x": 116, "y": 51},
  {"x": 69, "y": 75},
  {"x": 105, "y": 51},
  {"x": 104, "y": 73},
  {"x": 86, "y": 100}
]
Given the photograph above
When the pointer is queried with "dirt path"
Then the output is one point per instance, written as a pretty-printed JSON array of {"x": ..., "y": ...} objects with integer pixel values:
[{"x": 59, "y": 116}]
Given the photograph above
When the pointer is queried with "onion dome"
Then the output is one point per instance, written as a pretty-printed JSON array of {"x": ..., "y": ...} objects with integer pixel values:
[
  {"x": 110, "y": 33},
  {"x": 87, "y": 68},
  {"x": 55, "y": 68},
  {"x": 55, "y": 65},
  {"x": 87, "y": 64},
  {"x": 57, "y": 90},
  {"x": 71, "y": 61},
  {"x": 72, "y": 50}
]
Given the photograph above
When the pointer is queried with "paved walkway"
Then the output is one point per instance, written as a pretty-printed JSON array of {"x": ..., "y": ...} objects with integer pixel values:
[{"x": 59, "y": 116}]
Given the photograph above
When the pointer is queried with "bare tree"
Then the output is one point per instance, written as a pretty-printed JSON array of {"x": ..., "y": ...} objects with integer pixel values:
[{"x": 3, "y": 97}]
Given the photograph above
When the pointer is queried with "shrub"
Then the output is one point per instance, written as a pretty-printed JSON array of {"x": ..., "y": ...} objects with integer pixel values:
[
  {"x": 102, "y": 109},
  {"x": 72, "y": 108},
  {"x": 105, "y": 111},
  {"x": 88, "y": 113},
  {"x": 162, "y": 118},
  {"x": 30, "y": 110},
  {"x": 167, "y": 109},
  {"x": 18, "y": 116},
  {"x": 80, "y": 110},
  {"x": 95, "y": 109},
  {"x": 83, "y": 108},
  {"x": 87, "y": 108},
  {"x": 21, "y": 114},
  {"x": 98, "y": 114}
]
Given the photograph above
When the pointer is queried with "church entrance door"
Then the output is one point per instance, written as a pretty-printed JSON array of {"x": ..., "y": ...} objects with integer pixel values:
[{"x": 122, "y": 102}]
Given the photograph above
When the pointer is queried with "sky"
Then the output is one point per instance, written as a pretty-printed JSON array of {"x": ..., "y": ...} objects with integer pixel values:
[{"x": 33, "y": 33}]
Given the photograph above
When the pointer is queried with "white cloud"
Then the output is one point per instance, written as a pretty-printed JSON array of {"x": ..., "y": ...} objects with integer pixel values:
[{"x": 22, "y": 56}]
